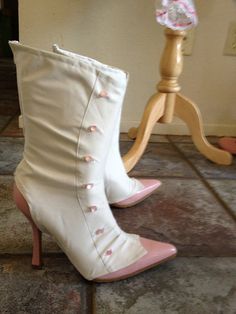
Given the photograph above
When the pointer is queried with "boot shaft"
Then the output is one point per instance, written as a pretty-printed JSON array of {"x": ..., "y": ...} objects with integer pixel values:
[
  {"x": 117, "y": 184},
  {"x": 69, "y": 108}
]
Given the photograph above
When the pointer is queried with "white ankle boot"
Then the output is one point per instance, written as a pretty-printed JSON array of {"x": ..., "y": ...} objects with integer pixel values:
[
  {"x": 121, "y": 190},
  {"x": 68, "y": 130}
]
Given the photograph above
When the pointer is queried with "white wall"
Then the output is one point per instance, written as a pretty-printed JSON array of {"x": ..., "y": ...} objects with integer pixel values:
[{"x": 124, "y": 33}]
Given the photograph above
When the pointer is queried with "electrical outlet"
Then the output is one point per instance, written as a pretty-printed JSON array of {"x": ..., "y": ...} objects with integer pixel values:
[
  {"x": 188, "y": 42},
  {"x": 230, "y": 44}
]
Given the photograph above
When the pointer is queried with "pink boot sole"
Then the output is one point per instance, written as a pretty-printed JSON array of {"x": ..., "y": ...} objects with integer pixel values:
[
  {"x": 157, "y": 252},
  {"x": 150, "y": 185},
  {"x": 228, "y": 144}
]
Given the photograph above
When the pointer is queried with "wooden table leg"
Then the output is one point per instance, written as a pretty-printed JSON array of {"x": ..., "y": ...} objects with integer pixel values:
[
  {"x": 152, "y": 113},
  {"x": 187, "y": 111}
]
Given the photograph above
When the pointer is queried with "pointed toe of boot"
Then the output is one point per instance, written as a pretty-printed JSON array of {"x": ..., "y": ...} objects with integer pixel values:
[
  {"x": 157, "y": 253},
  {"x": 149, "y": 186}
]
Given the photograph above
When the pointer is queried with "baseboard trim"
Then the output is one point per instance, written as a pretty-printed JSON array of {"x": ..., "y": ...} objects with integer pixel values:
[
  {"x": 176, "y": 128},
  {"x": 181, "y": 129}
]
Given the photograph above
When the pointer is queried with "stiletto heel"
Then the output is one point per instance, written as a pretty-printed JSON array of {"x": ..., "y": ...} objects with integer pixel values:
[
  {"x": 37, "y": 248},
  {"x": 36, "y": 233}
]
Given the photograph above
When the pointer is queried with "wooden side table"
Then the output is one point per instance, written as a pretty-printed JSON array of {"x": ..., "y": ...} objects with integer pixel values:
[{"x": 166, "y": 103}]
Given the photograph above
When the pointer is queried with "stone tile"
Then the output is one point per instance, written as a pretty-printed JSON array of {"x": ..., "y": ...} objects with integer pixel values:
[
  {"x": 3, "y": 121},
  {"x": 153, "y": 138},
  {"x": 207, "y": 168},
  {"x": 185, "y": 213},
  {"x": 160, "y": 160},
  {"x": 226, "y": 189},
  {"x": 57, "y": 288},
  {"x": 13, "y": 130},
  {"x": 185, "y": 285},
  {"x": 11, "y": 150},
  {"x": 15, "y": 231}
]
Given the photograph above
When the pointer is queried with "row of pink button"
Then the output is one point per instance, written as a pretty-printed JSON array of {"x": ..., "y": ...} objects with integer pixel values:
[{"x": 89, "y": 186}]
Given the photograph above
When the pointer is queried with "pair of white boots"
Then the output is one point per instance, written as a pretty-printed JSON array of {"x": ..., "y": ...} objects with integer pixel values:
[{"x": 72, "y": 168}]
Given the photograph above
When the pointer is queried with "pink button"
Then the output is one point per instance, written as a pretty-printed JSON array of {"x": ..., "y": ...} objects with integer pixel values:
[
  {"x": 93, "y": 209},
  {"x": 88, "y": 186},
  {"x": 108, "y": 252},
  {"x": 99, "y": 231},
  {"x": 88, "y": 158},
  {"x": 92, "y": 128},
  {"x": 103, "y": 94}
]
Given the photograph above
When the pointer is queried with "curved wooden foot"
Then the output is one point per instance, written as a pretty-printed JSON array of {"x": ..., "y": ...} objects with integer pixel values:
[
  {"x": 152, "y": 113},
  {"x": 186, "y": 110},
  {"x": 132, "y": 133}
]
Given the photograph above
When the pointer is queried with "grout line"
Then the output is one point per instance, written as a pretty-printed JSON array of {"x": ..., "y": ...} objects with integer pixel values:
[
  {"x": 29, "y": 254},
  {"x": 93, "y": 298},
  {"x": 220, "y": 200},
  {"x": 90, "y": 297},
  {"x": 151, "y": 139},
  {"x": 163, "y": 177},
  {"x": 204, "y": 181}
]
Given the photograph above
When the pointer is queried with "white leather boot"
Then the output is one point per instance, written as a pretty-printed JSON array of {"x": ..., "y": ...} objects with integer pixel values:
[
  {"x": 68, "y": 129},
  {"x": 121, "y": 190}
]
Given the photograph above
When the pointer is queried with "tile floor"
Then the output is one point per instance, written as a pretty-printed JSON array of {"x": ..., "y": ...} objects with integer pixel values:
[{"x": 195, "y": 208}]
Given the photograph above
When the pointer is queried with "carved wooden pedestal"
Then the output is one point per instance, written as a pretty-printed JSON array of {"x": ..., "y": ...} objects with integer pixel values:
[{"x": 166, "y": 102}]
